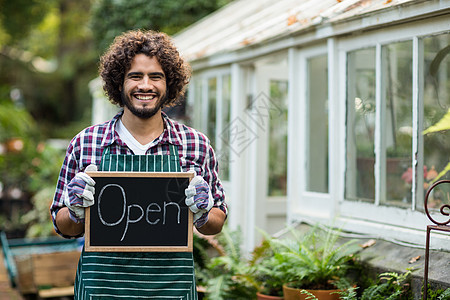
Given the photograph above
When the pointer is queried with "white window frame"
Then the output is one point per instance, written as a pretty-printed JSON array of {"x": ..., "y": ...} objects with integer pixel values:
[
  {"x": 202, "y": 124},
  {"x": 393, "y": 223},
  {"x": 309, "y": 203}
]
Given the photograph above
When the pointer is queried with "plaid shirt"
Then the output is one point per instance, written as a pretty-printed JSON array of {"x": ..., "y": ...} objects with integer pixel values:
[{"x": 87, "y": 147}]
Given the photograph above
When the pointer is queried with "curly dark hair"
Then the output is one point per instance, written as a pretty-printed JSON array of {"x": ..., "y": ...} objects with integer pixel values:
[{"x": 117, "y": 60}]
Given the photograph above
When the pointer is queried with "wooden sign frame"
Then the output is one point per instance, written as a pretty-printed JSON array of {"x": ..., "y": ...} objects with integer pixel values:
[{"x": 127, "y": 248}]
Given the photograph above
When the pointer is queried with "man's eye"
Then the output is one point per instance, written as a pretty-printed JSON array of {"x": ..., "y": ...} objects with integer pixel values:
[{"x": 134, "y": 76}]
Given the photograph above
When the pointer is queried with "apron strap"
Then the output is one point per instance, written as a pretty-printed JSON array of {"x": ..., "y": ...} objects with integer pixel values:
[
  {"x": 105, "y": 158},
  {"x": 173, "y": 150},
  {"x": 105, "y": 152}
]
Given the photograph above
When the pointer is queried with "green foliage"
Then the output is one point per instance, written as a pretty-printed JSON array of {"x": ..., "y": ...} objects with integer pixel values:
[
  {"x": 445, "y": 295},
  {"x": 18, "y": 136},
  {"x": 308, "y": 295},
  {"x": 49, "y": 54},
  {"x": 437, "y": 294},
  {"x": 43, "y": 176},
  {"x": 441, "y": 125},
  {"x": 14, "y": 122},
  {"x": 390, "y": 286},
  {"x": 12, "y": 222},
  {"x": 315, "y": 260},
  {"x": 26, "y": 162},
  {"x": 28, "y": 165},
  {"x": 264, "y": 272},
  {"x": 232, "y": 276},
  {"x": 201, "y": 255},
  {"x": 349, "y": 293},
  {"x": 17, "y": 18},
  {"x": 228, "y": 274},
  {"x": 112, "y": 17},
  {"x": 49, "y": 58},
  {"x": 37, "y": 220}
]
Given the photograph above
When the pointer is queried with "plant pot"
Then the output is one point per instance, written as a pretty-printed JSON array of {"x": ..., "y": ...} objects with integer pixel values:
[
  {"x": 260, "y": 296},
  {"x": 295, "y": 294}
]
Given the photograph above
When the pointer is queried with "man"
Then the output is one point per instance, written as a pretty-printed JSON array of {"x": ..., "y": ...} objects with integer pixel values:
[{"x": 142, "y": 72}]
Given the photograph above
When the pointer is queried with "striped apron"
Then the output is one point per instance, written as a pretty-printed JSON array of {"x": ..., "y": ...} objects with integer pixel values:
[{"x": 136, "y": 275}]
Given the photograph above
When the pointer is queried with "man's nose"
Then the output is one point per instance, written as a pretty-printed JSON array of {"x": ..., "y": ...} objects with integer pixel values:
[{"x": 146, "y": 83}]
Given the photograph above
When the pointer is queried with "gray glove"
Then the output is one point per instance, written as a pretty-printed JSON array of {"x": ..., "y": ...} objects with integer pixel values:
[
  {"x": 80, "y": 194},
  {"x": 199, "y": 200}
]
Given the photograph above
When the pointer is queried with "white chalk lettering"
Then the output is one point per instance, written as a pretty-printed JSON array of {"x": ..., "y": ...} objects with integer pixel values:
[
  {"x": 132, "y": 221},
  {"x": 124, "y": 204},
  {"x": 176, "y": 205},
  {"x": 153, "y": 212}
]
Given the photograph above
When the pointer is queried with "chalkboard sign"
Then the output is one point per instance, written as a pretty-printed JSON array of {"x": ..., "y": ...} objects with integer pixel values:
[{"x": 136, "y": 212}]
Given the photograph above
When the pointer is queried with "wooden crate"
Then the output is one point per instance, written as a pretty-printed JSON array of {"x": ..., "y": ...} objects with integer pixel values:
[
  {"x": 24, "y": 279},
  {"x": 44, "y": 266},
  {"x": 55, "y": 269}
]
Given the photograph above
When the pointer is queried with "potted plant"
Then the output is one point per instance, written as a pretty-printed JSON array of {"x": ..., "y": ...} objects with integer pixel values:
[
  {"x": 314, "y": 262},
  {"x": 229, "y": 273},
  {"x": 264, "y": 274},
  {"x": 390, "y": 285}
]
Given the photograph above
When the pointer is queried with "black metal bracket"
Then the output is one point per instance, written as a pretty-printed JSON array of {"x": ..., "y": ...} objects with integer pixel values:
[{"x": 439, "y": 226}]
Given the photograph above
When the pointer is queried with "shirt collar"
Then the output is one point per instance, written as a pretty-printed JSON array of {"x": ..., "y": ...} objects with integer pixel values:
[
  {"x": 169, "y": 135},
  {"x": 110, "y": 135}
]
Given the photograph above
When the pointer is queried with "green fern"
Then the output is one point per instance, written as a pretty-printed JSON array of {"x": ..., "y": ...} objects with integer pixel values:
[
  {"x": 345, "y": 289},
  {"x": 390, "y": 286},
  {"x": 229, "y": 277},
  {"x": 264, "y": 274},
  {"x": 314, "y": 259},
  {"x": 445, "y": 295},
  {"x": 309, "y": 296},
  {"x": 348, "y": 293}
]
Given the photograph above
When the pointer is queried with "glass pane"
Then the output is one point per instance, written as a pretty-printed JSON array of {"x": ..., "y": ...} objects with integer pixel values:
[
  {"x": 360, "y": 180},
  {"x": 317, "y": 157},
  {"x": 195, "y": 121},
  {"x": 224, "y": 156},
  {"x": 212, "y": 100},
  {"x": 278, "y": 139},
  {"x": 397, "y": 121},
  {"x": 436, "y": 101}
]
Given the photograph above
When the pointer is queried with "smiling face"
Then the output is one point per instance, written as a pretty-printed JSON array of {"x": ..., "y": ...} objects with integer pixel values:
[{"x": 144, "y": 87}]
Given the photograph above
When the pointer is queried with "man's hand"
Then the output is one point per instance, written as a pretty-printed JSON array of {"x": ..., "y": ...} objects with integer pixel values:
[
  {"x": 80, "y": 194},
  {"x": 199, "y": 200}
]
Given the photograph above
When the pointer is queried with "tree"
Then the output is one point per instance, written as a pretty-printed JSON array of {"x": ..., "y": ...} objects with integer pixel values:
[
  {"x": 46, "y": 48},
  {"x": 50, "y": 48},
  {"x": 112, "y": 17},
  {"x": 17, "y": 18}
]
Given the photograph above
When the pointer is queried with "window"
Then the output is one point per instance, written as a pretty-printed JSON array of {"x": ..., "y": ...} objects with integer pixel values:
[
  {"x": 278, "y": 138},
  {"x": 360, "y": 180},
  {"x": 388, "y": 89},
  {"x": 396, "y": 126},
  {"x": 436, "y": 104},
  {"x": 196, "y": 92},
  {"x": 225, "y": 114},
  {"x": 317, "y": 98},
  {"x": 380, "y": 121},
  {"x": 212, "y": 101}
]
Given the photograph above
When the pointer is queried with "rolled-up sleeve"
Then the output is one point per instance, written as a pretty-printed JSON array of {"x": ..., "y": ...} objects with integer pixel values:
[
  {"x": 211, "y": 176},
  {"x": 68, "y": 171}
]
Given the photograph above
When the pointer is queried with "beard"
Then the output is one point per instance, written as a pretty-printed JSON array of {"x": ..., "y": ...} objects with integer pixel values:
[{"x": 142, "y": 112}]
